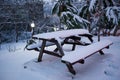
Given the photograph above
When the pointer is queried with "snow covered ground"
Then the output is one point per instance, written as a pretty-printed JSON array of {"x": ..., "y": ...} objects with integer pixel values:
[{"x": 19, "y": 64}]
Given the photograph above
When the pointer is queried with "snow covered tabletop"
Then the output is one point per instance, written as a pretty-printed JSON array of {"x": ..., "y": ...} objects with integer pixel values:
[
  {"x": 62, "y": 34},
  {"x": 85, "y": 51}
]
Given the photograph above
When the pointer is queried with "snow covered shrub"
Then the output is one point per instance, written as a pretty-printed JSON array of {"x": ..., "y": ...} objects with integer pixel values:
[
  {"x": 112, "y": 13},
  {"x": 11, "y": 48}
]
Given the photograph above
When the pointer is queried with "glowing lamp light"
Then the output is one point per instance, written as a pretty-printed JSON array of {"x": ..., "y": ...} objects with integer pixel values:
[
  {"x": 32, "y": 24},
  {"x": 56, "y": 29}
]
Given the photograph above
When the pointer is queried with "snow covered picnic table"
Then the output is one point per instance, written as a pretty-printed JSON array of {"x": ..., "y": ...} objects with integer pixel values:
[
  {"x": 58, "y": 38},
  {"x": 73, "y": 36}
]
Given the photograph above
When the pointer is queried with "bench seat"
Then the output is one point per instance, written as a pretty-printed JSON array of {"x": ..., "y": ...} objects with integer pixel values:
[
  {"x": 37, "y": 46},
  {"x": 84, "y": 52}
]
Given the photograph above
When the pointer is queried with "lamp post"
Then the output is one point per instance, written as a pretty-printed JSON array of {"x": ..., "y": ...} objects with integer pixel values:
[{"x": 32, "y": 26}]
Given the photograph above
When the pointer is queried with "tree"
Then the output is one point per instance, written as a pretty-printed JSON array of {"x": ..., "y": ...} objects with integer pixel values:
[
  {"x": 103, "y": 14},
  {"x": 68, "y": 14},
  {"x": 85, "y": 13}
]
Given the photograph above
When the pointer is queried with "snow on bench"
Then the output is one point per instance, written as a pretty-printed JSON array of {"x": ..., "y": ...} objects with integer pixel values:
[
  {"x": 84, "y": 52},
  {"x": 36, "y": 46}
]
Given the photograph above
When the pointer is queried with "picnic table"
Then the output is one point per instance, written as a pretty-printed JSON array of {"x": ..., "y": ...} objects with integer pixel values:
[
  {"x": 73, "y": 37},
  {"x": 59, "y": 38}
]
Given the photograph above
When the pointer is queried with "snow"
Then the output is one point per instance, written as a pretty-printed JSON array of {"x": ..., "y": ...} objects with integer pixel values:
[
  {"x": 75, "y": 17},
  {"x": 37, "y": 45},
  {"x": 62, "y": 34},
  {"x": 92, "y": 4},
  {"x": 111, "y": 14},
  {"x": 22, "y": 65},
  {"x": 80, "y": 19},
  {"x": 83, "y": 52},
  {"x": 58, "y": 35}
]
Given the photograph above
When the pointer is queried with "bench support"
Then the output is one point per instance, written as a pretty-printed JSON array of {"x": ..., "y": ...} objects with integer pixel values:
[
  {"x": 107, "y": 47},
  {"x": 76, "y": 41},
  {"x": 73, "y": 48},
  {"x": 101, "y": 52},
  {"x": 41, "y": 51},
  {"x": 54, "y": 53},
  {"x": 59, "y": 47},
  {"x": 70, "y": 67}
]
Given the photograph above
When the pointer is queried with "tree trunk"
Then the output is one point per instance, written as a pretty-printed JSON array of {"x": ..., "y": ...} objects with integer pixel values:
[
  {"x": 60, "y": 24},
  {"x": 16, "y": 33},
  {"x": 0, "y": 43},
  {"x": 99, "y": 34},
  {"x": 88, "y": 18},
  {"x": 115, "y": 30}
]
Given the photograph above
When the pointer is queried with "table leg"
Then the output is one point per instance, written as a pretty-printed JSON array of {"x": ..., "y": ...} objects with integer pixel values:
[
  {"x": 59, "y": 48},
  {"x": 70, "y": 68},
  {"x": 101, "y": 52},
  {"x": 90, "y": 38},
  {"x": 73, "y": 48},
  {"x": 41, "y": 51}
]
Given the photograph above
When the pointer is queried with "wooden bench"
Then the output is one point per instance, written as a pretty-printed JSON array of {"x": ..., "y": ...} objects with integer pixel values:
[{"x": 79, "y": 56}]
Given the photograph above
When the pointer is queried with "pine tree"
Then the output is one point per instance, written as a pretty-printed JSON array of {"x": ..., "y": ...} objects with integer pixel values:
[
  {"x": 103, "y": 14},
  {"x": 68, "y": 14}
]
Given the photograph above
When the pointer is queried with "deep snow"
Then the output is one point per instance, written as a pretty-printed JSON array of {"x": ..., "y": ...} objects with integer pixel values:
[{"x": 17, "y": 64}]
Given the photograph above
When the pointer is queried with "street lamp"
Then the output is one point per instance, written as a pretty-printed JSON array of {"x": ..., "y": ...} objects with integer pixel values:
[{"x": 32, "y": 26}]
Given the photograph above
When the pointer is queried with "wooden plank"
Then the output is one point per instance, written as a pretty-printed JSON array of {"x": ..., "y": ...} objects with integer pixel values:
[
  {"x": 59, "y": 47},
  {"x": 82, "y": 61},
  {"x": 101, "y": 52},
  {"x": 52, "y": 53},
  {"x": 70, "y": 68},
  {"x": 73, "y": 48},
  {"x": 41, "y": 51},
  {"x": 89, "y": 36}
]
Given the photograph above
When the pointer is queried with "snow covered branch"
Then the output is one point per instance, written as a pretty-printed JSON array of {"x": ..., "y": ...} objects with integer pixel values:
[
  {"x": 92, "y": 5},
  {"x": 112, "y": 14}
]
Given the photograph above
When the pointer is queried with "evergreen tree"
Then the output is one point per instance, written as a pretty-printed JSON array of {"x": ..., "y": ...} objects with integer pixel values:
[
  {"x": 103, "y": 14},
  {"x": 68, "y": 14}
]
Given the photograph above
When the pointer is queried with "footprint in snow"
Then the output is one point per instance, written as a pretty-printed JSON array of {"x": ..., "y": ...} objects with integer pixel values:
[
  {"x": 108, "y": 73},
  {"x": 113, "y": 66},
  {"x": 112, "y": 70}
]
